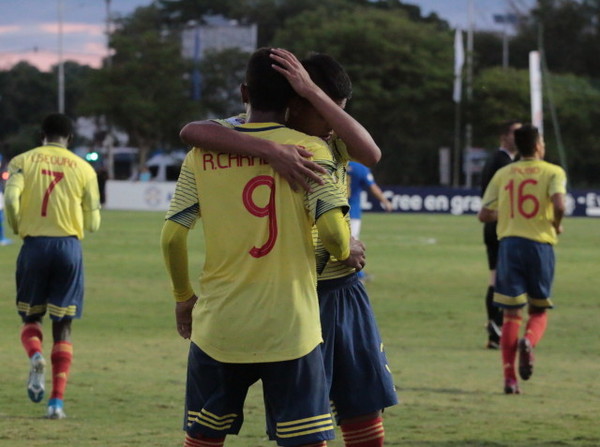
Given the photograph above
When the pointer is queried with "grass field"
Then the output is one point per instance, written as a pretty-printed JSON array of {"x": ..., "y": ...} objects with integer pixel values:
[{"x": 127, "y": 379}]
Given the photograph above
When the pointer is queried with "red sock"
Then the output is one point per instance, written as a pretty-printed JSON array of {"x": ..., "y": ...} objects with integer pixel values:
[
  {"x": 536, "y": 326},
  {"x": 31, "y": 338},
  {"x": 62, "y": 355},
  {"x": 508, "y": 345},
  {"x": 364, "y": 434},
  {"x": 203, "y": 441}
]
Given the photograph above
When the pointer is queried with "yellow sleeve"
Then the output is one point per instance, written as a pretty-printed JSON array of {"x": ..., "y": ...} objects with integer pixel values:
[
  {"x": 490, "y": 196},
  {"x": 91, "y": 206},
  {"x": 12, "y": 197},
  {"x": 173, "y": 240},
  {"x": 334, "y": 232}
]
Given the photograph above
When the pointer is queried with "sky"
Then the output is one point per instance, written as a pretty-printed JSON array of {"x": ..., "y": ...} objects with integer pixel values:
[{"x": 29, "y": 28}]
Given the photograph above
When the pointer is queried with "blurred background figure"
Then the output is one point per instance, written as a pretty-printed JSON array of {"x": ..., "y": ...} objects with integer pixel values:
[
  {"x": 360, "y": 179},
  {"x": 506, "y": 153}
]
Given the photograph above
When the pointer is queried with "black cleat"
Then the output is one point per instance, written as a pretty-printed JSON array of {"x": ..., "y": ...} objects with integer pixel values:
[{"x": 525, "y": 358}]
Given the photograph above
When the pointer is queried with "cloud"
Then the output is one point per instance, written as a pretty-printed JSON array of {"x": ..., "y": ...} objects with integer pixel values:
[
  {"x": 73, "y": 28},
  {"x": 9, "y": 29},
  {"x": 45, "y": 60}
]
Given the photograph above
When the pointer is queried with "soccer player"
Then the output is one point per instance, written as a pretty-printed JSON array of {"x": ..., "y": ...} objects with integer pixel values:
[
  {"x": 51, "y": 197},
  {"x": 503, "y": 156},
  {"x": 527, "y": 198},
  {"x": 361, "y": 179},
  {"x": 358, "y": 376},
  {"x": 257, "y": 314}
]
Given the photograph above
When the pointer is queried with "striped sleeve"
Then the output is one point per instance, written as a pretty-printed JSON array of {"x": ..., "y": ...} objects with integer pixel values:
[
  {"x": 327, "y": 196},
  {"x": 185, "y": 207}
]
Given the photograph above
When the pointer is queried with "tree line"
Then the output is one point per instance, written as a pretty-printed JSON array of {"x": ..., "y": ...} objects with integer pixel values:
[{"x": 400, "y": 62}]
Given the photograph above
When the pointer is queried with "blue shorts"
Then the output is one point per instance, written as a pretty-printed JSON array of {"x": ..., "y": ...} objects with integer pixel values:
[
  {"x": 50, "y": 278},
  {"x": 294, "y": 392},
  {"x": 358, "y": 375},
  {"x": 524, "y": 274}
]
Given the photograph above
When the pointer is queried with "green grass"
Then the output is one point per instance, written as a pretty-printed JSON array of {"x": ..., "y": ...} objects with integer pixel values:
[{"x": 127, "y": 379}]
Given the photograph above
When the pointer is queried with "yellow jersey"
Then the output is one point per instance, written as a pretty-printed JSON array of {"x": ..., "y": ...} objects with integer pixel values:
[
  {"x": 257, "y": 300},
  {"x": 521, "y": 192},
  {"x": 56, "y": 186},
  {"x": 328, "y": 267}
]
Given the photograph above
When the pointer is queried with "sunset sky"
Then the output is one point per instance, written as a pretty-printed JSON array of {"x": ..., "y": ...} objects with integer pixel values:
[{"x": 29, "y": 28}]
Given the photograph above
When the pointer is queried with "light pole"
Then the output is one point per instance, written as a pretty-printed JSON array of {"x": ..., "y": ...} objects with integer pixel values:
[
  {"x": 61, "y": 67},
  {"x": 505, "y": 20}
]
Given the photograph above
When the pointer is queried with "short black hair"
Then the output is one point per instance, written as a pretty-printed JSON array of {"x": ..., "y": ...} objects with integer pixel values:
[
  {"x": 268, "y": 90},
  {"x": 504, "y": 128},
  {"x": 329, "y": 75},
  {"x": 57, "y": 125},
  {"x": 526, "y": 138}
]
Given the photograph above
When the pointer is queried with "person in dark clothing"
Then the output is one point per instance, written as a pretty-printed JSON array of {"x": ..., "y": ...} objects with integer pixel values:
[{"x": 505, "y": 154}]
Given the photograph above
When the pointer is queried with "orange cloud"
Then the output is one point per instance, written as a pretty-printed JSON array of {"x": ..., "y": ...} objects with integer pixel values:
[
  {"x": 44, "y": 60},
  {"x": 9, "y": 29}
]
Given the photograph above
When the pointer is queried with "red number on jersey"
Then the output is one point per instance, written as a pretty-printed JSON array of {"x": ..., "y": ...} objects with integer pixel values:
[
  {"x": 522, "y": 198},
  {"x": 268, "y": 210},
  {"x": 58, "y": 176}
]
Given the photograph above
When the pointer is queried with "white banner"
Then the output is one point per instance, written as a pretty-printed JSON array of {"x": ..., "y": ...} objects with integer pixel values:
[{"x": 144, "y": 196}]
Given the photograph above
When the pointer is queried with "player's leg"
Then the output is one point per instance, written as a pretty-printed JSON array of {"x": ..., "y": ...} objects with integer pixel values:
[
  {"x": 65, "y": 303},
  {"x": 31, "y": 280},
  {"x": 362, "y": 384},
  {"x": 214, "y": 399},
  {"x": 61, "y": 358},
  {"x": 510, "y": 294},
  {"x": 31, "y": 339},
  {"x": 297, "y": 402},
  {"x": 494, "y": 314},
  {"x": 508, "y": 346},
  {"x": 540, "y": 276}
]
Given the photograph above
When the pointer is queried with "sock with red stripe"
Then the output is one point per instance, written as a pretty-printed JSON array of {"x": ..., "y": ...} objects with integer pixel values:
[
  {"x": 203, "y": 441},
  {"x": 536, "y": 326},
  {"x": 364, "y": 434},
  {"x": 31, "y": 338},
  {"x": 508, "y": 345},
  {"x": 62, "y": 356}
]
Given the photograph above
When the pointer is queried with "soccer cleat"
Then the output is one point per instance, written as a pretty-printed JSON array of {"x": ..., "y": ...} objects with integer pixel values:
[
  {"x": 494, "y": 333},
  {"x": 511, "y": 386},
  {"x": 491, "y": 344},
  {"x": 525, "y": 358},
  {"x": 36, "y": 382},
  {"x": 55, "y": 409}
]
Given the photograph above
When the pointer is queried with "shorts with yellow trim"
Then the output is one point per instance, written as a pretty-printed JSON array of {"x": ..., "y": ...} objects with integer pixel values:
[
  {"x": 524, "y": 273},
  {"x": 294, "y": 392},
  {"x": 50, "y": 278},
  {"x": 356, "y": 365}
]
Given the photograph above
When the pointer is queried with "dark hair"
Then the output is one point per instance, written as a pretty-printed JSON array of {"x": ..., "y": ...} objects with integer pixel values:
[
  {"x": 505, "y": 127},
  {"x": 268, "y": 90},
  {"x": 57, "y": 125},
  {"x": 526, "y": 138},
  {"x": 329, "y": 75}
]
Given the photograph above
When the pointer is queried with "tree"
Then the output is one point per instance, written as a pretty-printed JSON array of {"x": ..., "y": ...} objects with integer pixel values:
[
  {"x": 27, "y": 95},
  {"x": 222, "y": 74},
  {"x": 144, "y": 90},
  {"x": 272, "y": 15},
  {"x": 402, "y": 81}
]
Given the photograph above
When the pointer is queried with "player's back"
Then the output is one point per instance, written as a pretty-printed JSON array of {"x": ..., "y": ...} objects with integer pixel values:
[
  {"x": 259, "y": 269},
  {"x": 525, "y": 207},
  {"x": 54, "y": 181}
]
